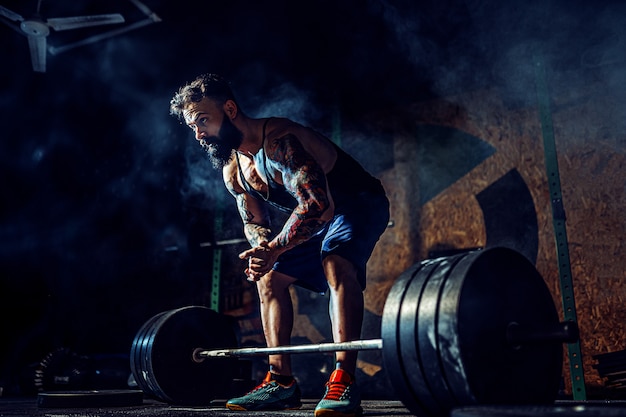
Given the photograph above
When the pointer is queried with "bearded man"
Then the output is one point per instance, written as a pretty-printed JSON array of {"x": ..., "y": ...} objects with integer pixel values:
[{"x": 336, "y": 212}]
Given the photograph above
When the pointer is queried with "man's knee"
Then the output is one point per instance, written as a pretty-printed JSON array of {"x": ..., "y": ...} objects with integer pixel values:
[
  {"x": 273, "y": 285},
  {"x": 340, "y": 271}
]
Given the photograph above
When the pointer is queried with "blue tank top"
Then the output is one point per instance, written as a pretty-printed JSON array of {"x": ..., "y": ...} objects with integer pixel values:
[{"x": 346, "y": 179}]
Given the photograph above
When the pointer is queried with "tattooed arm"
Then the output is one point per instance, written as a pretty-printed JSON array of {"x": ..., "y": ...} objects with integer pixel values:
[
  {"x": 256, "y": 223},
  {"x": 305, "y": 180}
]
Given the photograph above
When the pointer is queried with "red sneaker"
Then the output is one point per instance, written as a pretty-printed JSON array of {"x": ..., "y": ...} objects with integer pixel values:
[{"x": 342, "y": 398}]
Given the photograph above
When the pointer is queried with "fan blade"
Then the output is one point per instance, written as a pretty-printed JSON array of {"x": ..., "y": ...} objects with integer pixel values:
[
  {"x": 37, "y": 46},
  {"x": 65, "y": 23},
  {"x": 10, "y": 15},
  {"x": 12, "y": 25},
  {"x": 146, "y": 10},
  {"x": 101, "y": 36},
  {"x": 142, "y": 7}
]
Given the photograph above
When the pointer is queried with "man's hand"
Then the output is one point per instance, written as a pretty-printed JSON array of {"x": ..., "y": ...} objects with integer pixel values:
[{"x": 260, "y": 260}]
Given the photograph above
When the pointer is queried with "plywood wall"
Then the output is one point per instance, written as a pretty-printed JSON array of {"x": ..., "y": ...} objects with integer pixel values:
[{"x": 592, "y": 166}]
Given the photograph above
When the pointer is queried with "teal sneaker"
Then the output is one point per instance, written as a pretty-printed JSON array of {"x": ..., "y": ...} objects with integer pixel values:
[
  {"x": 342, "y": 398},
  {"x": 269, "y": 395}
]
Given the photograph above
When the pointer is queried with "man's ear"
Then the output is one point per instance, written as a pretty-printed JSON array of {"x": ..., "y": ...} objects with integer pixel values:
[{"x": 231, "y": 109}]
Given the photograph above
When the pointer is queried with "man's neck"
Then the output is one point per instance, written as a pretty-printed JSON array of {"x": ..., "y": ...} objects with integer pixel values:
[{"x": 252, "y": 130}]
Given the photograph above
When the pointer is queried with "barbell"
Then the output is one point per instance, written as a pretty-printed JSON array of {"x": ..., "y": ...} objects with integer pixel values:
[{"x": 478, "y": 327}]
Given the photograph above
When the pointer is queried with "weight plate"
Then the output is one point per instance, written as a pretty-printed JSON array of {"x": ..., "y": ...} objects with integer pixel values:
[
  {"x": 427, "y": 331},
  {"x": 166, "y": 361},
  {"x": 409, "y": 340},
  {"x": 444, "y": 333},
  {"x": 90, "y": 399},
  {"x": 500, "y": 287},
  {"x": 146, "y": 359},
  {"x": 137, "y": 355},
  {"x": 392, "y": 345},
  {"x": 580, "y": 410},
  {"x": 447, "y": 331}
]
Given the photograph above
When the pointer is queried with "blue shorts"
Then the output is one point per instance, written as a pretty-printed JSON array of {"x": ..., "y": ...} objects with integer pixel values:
[{"x": 352, "y": 234}]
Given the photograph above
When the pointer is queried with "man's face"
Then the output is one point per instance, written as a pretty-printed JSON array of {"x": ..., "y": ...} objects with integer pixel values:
[{"x": 216, "y": 133}]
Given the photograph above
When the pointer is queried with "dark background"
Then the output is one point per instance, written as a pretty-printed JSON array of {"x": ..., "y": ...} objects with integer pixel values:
[{"x": 105, "y": 196}]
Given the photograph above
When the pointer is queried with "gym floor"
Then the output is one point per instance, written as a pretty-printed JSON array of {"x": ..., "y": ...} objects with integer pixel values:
[
  {"x": 151, "y": 408},
  {"x": 76, "y": 407}
]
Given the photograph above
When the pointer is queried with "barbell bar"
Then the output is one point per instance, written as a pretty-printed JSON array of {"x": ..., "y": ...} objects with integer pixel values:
[
  {"x": 516, "y": 335},
  {"x": 200, "y": 354},
  {"x": 478, "y": 327}
]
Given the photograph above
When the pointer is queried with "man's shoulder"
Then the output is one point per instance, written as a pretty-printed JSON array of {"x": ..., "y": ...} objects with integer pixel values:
[
  {"x": 283, "y": 128},
  {"x": 282, "y": 122},
  {"x": 279, "y": 125}
]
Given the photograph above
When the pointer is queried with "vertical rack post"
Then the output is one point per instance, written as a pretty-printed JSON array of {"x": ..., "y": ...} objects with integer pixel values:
[{"x": 560, "y": 231}]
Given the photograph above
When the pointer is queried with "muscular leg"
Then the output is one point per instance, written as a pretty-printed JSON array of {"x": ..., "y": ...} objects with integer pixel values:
[
  {"x": 346, "y": 306},
  {"x": 276, "y": 316}
]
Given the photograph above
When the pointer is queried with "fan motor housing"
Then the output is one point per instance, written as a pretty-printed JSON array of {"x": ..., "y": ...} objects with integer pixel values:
[{"x": 34, "y": 28}]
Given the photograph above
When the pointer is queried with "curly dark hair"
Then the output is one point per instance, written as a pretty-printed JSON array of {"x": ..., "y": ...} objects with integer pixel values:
[{"x": 206, "y": 85}]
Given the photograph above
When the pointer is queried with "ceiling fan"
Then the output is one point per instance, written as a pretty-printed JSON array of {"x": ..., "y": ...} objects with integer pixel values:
[{"x": 37, "y": 29}]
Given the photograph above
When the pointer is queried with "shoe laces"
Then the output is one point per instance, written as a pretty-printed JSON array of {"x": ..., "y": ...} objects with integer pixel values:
[
  {"x": 337, "y": 385},
  {"x": 268, "y": 381}
]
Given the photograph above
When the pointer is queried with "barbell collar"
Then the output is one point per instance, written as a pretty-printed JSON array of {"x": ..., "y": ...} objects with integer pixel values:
[
  {"x": 563, "y": 332},
  {"x": 372, "y": 344}
]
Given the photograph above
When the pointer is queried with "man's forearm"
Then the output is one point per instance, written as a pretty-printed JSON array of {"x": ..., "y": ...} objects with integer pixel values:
[
  {"x": 297, "y": 229},
  {"x": 256, "y": 234}
]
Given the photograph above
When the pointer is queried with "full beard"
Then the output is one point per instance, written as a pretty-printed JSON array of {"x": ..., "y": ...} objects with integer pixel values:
[{"x": 220, "y": 148}]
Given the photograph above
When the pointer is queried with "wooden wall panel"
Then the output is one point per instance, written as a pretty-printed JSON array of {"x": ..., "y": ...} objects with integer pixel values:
[{"x": 592, "y": 166}]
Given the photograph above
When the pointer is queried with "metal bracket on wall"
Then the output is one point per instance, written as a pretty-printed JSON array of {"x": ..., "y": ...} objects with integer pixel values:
[
  {"x": 216, "y": 274},
  {"x": 558, "y": 219}
]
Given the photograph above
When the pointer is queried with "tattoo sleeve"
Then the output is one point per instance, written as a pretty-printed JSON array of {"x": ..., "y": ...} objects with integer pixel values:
[
  {"x": 256, "y": 227},
  {"x": 256, "y": 224},
  {"x": 256, "y": 234},
  {"x": 305, "y": 180}
]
